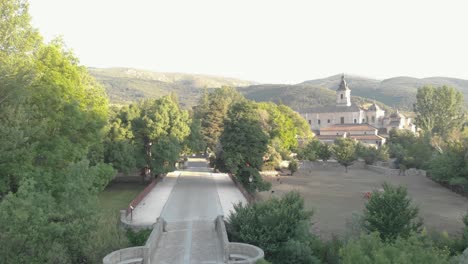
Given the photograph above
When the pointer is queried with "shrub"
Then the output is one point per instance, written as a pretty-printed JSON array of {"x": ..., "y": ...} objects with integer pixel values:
[
  {"x": 370, "y": 249},
  {"x": 324, "y": 152},
  {"x": 391, "y": 214},
  {"x": 138, "y": 238},
  {"x": 277, "y": 226},
  {"x": 293, "y": 166}
]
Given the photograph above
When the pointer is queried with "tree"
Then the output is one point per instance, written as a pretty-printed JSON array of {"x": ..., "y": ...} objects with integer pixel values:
[
  {"x": 324, "y": 152},
  {"x": 293, "y": 166},
  {"x": 439, "y": 110},
  {"x": 370, "y": 249},
  {"x": 160, "y": 132},
  {"x": 243, "y": 141},
  {"x": 279, "y": 226},
  {"x": 213, "y": 109},
  {"x": 344, "y": 150},
  {"x": 391, "y": 213},
  {"x": 195, "y": 139}
]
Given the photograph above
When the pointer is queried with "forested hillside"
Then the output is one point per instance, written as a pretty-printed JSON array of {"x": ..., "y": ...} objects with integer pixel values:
[
  {"x": 125, "y": 85},
  {"x": 398, "y": 92}
]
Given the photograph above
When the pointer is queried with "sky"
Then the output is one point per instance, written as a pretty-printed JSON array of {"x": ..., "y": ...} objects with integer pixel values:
[{"x": 268, "y": 41}]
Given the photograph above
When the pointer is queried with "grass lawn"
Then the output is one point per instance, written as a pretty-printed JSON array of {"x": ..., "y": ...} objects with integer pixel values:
[{"x": 117, "y": 196}]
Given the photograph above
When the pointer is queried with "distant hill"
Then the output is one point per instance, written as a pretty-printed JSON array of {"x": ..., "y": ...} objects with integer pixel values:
[
  {"x": 125, "y": 85},
  {"x": 398, "y": 92}
]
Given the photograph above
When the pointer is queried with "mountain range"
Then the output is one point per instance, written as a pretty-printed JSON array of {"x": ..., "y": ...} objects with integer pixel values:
[{"x": 124, "y": 85}]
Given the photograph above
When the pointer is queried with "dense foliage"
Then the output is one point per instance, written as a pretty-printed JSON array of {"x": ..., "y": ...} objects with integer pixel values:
[
  {"x": 278, "y": 226},
  {"x": 391, "y": 213},
  {"x": 370, "y": 249},
  {"x": 344, "y": 151},
  {"x": 439, "y": 110}
]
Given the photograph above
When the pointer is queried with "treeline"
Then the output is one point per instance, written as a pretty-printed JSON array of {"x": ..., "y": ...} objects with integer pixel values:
[
  {"x": 242, "y": 136},
  {"x": 147, "y": 137},
  {"x": 61, "y": 144},
  {"x": 441, "y": 146},
  {"x": 52, "y": 123}
]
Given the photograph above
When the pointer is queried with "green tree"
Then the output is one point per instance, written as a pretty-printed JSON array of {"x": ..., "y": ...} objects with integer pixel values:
[
  {"x": 160, "y": 132},
  {"x": 324, "y": 152},
  {"x": 293, "y": 166},
  {"x": 278, "y": 226},
  {"x": 439, "y": 110},
  {"x": 370, "y": 249},
  {"x": 344, "y": 150},
  {"x": 243, "y": 142},
  {"x": 195, "y": 140},
  {"x": 213, "y": 110},
  {"x": 391, "y": 213}
]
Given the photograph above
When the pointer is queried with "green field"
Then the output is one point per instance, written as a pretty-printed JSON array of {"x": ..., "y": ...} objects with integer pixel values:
[{"x": 117, "y": 196}]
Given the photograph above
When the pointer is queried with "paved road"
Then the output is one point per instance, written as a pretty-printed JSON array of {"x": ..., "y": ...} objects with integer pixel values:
[{"x": 195, "y": 197}]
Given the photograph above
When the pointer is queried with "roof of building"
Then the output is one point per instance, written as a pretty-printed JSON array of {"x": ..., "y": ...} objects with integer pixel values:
[
  {"x": 366, "y": 137},
  {"x": 396, "y": 115},
  {"x": 332, "y": 109},
  {"x": 357, "y": 137},
  {"x": 343, "y": 85},
  {"x": 374, "y": 107},
  {"x": 349, "y": 127}
]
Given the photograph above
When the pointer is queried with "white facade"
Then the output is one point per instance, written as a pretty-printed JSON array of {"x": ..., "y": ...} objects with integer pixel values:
[{"x": 343, "y": 117}]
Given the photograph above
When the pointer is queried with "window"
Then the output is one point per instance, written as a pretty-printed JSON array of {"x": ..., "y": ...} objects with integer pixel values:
[
  {"x": 318, "y": 121},
  {"x": 342, "y": 120},
  {"x": 365, "y": 133},
  {"x": 328, "y": 121},
  {"x": 310, "y": 122},
  {"x": 373, "y": 119},
  {"x": 355, "y": 120},
  {"x": 337, "y": 134},
  {"x": 363, "y": 120},
  {"x": 341, "y": 96}
]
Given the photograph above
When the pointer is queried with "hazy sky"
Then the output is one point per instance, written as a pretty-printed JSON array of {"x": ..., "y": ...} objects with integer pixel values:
[{"x": 265, "y": 40}]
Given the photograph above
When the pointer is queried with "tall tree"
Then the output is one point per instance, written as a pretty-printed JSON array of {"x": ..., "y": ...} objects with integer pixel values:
[
  {"x": 344, "y": 151},
  {"x": 213, "y": 111},
  {"x": 439, "y": 110},
  {"x": 161, "y": 123}
]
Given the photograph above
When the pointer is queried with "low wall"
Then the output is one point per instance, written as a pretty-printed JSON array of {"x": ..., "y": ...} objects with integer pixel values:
[
  {"x": 305, "y": 164},
  {"x": 141, "y": 195},
  {"x": 222, "y": 237},
  {"x": 154, "y": 238},
  {"x": 133, "y": 255},
  {"x": 396, "y": 172},
  {"x": 253, "y": 253},
  {"x": 139, "y": 255},
  {"x": 248, "y": 196}
]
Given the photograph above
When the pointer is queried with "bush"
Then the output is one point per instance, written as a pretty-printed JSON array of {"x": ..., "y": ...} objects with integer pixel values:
[
  {"x": 293, "y": 166},
  {"x": 138, "y": 238},
  {"x": 277, "y": 226},
  {"x": 370, "y": 249},
  {"x": 391, "y": 214}
]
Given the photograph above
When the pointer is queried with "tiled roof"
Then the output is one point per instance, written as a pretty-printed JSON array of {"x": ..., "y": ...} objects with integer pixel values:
[
  {"x": 367, "y": 137},
  {"x": 349, "y": 127}
]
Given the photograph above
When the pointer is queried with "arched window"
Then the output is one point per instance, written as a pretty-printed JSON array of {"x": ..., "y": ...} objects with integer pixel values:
[{"x": 355, "y": 120}]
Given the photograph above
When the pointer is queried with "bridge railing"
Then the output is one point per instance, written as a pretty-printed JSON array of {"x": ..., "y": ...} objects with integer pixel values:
[
  {"x": 236, "y": 253},
  {"x": 138, "y": 255}
]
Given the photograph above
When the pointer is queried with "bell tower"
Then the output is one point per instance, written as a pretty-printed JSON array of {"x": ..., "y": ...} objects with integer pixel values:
[{"x": 343, "y": 93}]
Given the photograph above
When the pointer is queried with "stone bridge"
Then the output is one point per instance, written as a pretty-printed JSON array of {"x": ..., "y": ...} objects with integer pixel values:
[{"x": 186, "y": 212}]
